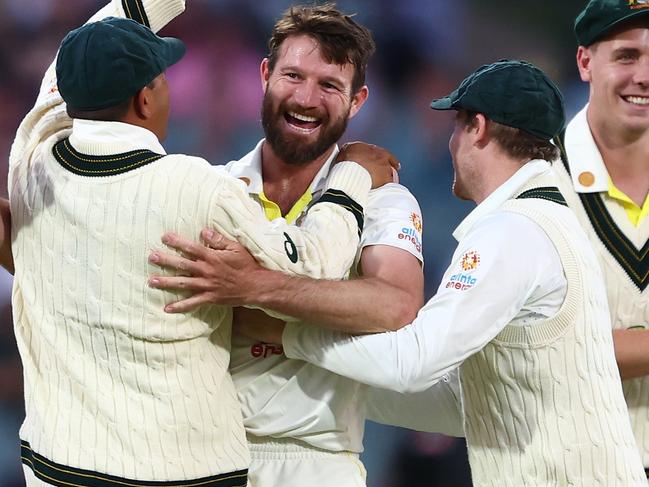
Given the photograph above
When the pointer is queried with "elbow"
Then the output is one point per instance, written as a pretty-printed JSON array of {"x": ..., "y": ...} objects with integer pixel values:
[{"x": 403, "y": 311}]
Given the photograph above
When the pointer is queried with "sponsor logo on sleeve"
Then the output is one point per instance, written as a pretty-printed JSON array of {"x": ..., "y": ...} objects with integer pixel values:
[
  {"x": 463, "y": 280},
  {"x": 413, "y": 234}
]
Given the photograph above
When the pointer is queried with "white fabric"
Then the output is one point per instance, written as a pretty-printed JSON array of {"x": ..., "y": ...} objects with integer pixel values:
[
  {"x": 629, "y": 306},
  {"x": 112, "y": 383},
  {"x": 524, "y": 421},
  {"x": 470, "y": 308},
  {"x": 291, "y": 464}
]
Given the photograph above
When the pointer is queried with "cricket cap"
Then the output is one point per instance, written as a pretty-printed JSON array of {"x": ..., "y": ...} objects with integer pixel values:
[
  {"x": 601, "y": 16},
  {"x": 512, "y": 93},
  {"x": 102, "y": 64}
]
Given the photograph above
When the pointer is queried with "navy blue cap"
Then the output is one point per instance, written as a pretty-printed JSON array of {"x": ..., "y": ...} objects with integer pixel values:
[
  {"x": 512, "y": 93},
  {"x": 599, "y": 17},
  {"x": 102, "y": 64}
]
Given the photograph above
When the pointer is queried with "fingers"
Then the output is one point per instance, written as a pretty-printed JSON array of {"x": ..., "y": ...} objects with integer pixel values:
[
  {"x": 179, "y": 283},
  {"x": 188, "y": 247},
  {"x": 174, "y": 261},
  {"x": 188, "y": 304},
  {"x": 215, "y": 240}
]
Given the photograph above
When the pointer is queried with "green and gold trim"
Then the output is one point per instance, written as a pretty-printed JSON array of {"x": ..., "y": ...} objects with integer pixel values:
[
  {"x": 340, "y": 198},
  {"x": 549, "y": 193},
  {"x": 110, "y": 165},
  {"x": 634, "y": 262},
  {"x": 134, "y": 10},
  {"x": 64, "y": 476}
]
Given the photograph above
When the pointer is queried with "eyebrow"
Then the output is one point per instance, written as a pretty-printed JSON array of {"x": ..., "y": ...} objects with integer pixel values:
[{"x": 634, "y": 51}]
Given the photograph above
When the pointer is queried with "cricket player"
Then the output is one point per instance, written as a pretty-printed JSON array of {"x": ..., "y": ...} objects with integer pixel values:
[
  {"x": 305, "y": 425},
  {"x": 605, "y": 179},
  {"x": 116, "y": 391},
  {"x": 521, "y": 310}
]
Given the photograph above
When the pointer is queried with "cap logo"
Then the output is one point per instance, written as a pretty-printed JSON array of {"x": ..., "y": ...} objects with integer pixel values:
[{"x": 638, "y": 4}]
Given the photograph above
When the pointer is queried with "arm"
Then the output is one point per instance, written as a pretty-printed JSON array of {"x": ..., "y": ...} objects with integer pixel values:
[
  {"x": 391, "y": 275},
  {"x": 437, "y": 409},
  {"x": 470, "y": 308},
  {"x": 631, "y": 347},
  {"x": 6, "y": 259}
]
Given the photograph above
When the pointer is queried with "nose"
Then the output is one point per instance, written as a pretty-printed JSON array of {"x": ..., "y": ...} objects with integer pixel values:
[
  {"x": 641, "y": 74},
  {"x": 307, "y": 94}
]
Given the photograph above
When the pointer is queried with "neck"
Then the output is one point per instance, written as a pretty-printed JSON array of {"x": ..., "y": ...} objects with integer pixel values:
[
  {"x": 286, "y": 183},
  {"x": 625, "y": 154},
  {"x": 495, "y": 169}
]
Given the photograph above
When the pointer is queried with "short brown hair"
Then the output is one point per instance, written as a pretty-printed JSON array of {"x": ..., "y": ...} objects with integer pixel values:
[
  {"x": 517, "y": 143},
  {"x": 341, "y": 39}
]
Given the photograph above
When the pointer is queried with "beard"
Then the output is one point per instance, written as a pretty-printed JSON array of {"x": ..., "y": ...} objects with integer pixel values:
[{"x": 291, "y": 148}]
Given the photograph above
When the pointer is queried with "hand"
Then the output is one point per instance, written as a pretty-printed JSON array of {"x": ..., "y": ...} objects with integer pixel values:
[
  {"x": 257, "y": 325},
  {"x": 220, "y": 272},
  {"x": 380, "y": 163}
]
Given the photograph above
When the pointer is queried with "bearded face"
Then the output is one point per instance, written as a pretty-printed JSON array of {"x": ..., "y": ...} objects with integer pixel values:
[{"x": 299, "y": 136}]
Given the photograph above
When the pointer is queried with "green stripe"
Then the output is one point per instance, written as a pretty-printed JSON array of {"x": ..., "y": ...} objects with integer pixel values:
[
  {"x": 134, "y": 9},
  {"x": 64, "y": 476},
  {"x": 634, "y": 262},
  {"x": 340, "y": 198},
  {"x": 97, "y": 166},
  {"x": 549, "y": 193}
]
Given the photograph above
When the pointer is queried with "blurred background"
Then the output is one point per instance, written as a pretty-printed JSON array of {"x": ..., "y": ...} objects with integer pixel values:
[{"x": 424, "y": 48}]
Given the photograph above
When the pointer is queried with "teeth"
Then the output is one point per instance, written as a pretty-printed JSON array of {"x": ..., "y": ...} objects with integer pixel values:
[
  {"x": 637, "y": 100},
  {"x": 304, "y": 118}
]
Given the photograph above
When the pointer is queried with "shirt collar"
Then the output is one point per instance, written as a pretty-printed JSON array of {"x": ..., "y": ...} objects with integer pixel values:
[
  {"x": 504, "y": 192},
  {"x": 249, "y": 167},
  {"x": 587, "y": 169},
  {"x": 105, "y": 138}
]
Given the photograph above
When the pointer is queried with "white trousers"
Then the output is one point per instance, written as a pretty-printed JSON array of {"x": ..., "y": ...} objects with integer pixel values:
[{"x": 287, "y": 463}]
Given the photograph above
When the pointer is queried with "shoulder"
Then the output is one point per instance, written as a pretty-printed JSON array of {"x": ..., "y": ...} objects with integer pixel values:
[{"x": 392, "y": 195}]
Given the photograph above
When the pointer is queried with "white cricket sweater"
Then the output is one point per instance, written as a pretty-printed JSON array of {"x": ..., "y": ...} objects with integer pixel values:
[
  {"x": 543, "y": 403},
  {"x": 116, "y": 389},
  {"x": 622, "y": 250}
]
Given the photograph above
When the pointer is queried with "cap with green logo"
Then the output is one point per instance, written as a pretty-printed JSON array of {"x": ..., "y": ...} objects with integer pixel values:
[
  {"x": 512, "y": 93},
  {"x": 600, "y": 16},
  {"x": 102, "y": 64}
]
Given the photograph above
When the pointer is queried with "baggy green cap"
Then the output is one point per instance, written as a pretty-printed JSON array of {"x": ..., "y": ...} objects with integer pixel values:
[
  {"x": 102, "y": 64},
  {"x": 600, "y": 16},
  {"x": 512, "y": 93}
]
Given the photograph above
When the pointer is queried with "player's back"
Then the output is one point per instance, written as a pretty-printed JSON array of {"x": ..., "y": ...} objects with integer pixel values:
[{"x": 112, "y": 383}]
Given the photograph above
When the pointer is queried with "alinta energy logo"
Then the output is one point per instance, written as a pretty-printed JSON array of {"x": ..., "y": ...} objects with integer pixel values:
[
  {"x": 413, "y": 234},
  {"x": 470, "y": 261},
  {"x": 416, "y": 222},
  {"x": 638, "y": 4},
  {"x": 463, "y": 281}
]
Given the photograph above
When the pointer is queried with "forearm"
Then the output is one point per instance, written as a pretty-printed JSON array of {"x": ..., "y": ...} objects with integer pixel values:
[
  {"x": 632, "y": 352},
  {"x": 364, "y": 305}
]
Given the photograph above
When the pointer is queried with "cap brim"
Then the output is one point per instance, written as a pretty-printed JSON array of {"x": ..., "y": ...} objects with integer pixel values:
[
  {"x": 175, "y": 50},
  {"x": 614, "y": 25},
  {"x": 445, "y": 103}
]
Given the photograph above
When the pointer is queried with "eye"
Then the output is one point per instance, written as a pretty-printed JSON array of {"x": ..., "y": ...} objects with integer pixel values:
[{"x": 330, "y": 86}]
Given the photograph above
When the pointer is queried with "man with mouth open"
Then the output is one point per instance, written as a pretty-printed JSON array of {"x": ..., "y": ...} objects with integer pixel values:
[
  {"x": 605, "y": 179},
  {"x": 305, "y": 425}
]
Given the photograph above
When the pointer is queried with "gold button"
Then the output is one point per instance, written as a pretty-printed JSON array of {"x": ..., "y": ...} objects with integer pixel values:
[{"x": 586, "y": 178}]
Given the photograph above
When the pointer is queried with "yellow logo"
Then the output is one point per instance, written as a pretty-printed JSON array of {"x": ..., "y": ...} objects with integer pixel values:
[
  {"x": 470, "y": 261},
  {"x": 416, "y": 222}
]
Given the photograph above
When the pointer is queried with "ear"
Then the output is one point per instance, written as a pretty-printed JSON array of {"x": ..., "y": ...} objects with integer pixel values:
[
  {"x": 264, "y": 71},
  {"x": 479, "y": 130},
  {"x": 358, "y": 100},
  {"x": 584, "y": 57},
  {"x": 142, "y": 104}
]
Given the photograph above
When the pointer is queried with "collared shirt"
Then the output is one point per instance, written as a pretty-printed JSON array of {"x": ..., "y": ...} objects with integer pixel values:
[
  {"x": 98, "y": 138},
  {"x": 588, "y": 171},
  {"x": 505, "y": 270}
]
